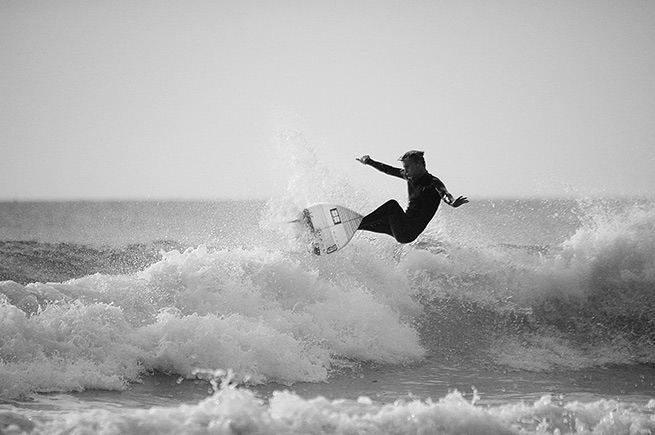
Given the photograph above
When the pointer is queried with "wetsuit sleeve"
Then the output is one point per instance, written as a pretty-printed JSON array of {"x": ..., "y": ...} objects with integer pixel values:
[
  {"x": 389, "y": 170},
  {"x": 438, "y": 184}
]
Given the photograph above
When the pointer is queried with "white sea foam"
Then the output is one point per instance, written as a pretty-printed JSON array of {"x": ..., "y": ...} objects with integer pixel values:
[
  {"x": 266, "y": 315},
  {"x": 233, "y": 410}
]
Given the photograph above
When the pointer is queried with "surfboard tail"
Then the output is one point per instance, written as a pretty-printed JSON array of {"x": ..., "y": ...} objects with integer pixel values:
[{"x": 330, "y": 226}]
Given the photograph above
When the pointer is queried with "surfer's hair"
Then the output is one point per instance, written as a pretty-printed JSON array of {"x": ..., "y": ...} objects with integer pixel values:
[{"x": 415, "y": 155}]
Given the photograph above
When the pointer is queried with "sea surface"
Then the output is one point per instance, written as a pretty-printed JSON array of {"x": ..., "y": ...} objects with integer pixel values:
[{"x": 510, "y": 316}]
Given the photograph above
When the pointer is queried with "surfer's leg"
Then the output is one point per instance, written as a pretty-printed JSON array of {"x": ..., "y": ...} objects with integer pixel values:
[
  {"x": 377, "y": 221},
  {"x": 389, "y": 219}
]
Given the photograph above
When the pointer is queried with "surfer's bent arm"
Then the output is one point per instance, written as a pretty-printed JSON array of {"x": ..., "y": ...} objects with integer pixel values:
[
  {"x": 441, "y": 188},
  {"x": 389, "y": 170},
  {"x": 446, "y": 196}
]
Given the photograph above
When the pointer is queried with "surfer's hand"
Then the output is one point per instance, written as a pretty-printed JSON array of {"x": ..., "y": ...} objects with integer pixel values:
[
  {"x": 459, "y": 201},
  {"x": 364, "y": 159}
]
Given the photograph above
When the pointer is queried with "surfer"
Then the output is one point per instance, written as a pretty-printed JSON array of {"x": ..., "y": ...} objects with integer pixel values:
[{"x": 425, "y": 192}]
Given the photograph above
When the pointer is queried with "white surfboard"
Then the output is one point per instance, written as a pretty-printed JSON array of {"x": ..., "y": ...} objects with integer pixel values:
[{"x": 330, "y": 227}]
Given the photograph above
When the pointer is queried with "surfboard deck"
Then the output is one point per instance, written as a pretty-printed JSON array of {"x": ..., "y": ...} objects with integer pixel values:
[{"x": 330, "y": 227}]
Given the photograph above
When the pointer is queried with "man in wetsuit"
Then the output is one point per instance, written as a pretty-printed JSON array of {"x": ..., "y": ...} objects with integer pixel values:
[{"x": 425, "y": 192}]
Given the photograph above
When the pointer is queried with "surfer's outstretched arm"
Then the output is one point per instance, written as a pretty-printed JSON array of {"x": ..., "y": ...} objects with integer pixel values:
[
  {"x": 389, "y": 170},
  {"x": 363, "y": 159}
]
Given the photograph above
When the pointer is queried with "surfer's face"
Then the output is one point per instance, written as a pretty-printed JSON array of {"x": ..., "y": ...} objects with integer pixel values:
[{"x": 413, "y": 169}]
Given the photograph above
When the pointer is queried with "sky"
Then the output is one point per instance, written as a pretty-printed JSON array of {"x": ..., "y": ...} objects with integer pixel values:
[{"x": 136, "y": 99}]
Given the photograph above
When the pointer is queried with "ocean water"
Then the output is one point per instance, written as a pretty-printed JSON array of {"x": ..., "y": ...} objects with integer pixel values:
[{"x": 504, "y": 317}]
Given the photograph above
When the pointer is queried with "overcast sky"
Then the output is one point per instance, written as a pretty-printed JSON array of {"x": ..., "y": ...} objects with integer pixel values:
[{"x": 187, "y": 99}]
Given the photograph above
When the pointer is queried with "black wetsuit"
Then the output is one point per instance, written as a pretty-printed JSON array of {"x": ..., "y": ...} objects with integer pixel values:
[{"x": 405, "y": 226}]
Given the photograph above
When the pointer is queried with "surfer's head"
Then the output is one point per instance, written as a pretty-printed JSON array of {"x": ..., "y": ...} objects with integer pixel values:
[
  {"x": 413, "y": 155},
  {"x": 413, "y": 164}
]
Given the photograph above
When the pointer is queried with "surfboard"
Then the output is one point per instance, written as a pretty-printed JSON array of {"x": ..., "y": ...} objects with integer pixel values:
[{"x": 330, "y": 227}]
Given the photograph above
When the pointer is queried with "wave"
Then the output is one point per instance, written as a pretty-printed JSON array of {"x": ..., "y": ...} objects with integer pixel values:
[
  {"x": 267, "y": 315},
  {"x": 588, "y": 301}
]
